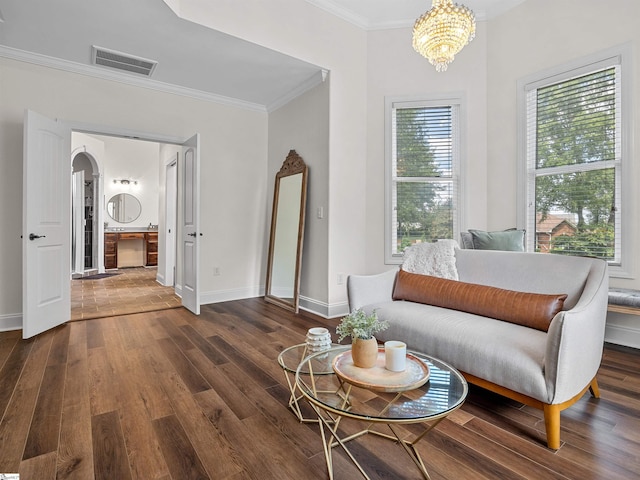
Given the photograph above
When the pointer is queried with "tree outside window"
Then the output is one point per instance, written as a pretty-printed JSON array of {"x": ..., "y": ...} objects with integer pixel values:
[
  {"x": 574, "y": 165},
  {"x": 423, "y": 174}
]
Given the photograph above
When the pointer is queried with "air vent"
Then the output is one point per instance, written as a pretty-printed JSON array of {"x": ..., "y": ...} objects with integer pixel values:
[{"x": 123, "y": 61}]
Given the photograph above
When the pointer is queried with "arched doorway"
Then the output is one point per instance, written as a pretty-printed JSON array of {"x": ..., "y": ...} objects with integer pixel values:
[{"x": 85, "y": 232}]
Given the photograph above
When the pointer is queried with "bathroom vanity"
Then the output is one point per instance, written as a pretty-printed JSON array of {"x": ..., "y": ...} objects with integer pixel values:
[{"x": 130, "y": 248}]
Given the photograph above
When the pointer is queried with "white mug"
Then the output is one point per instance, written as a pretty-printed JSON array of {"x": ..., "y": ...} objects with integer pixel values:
[{"x": 395, "y": 356}]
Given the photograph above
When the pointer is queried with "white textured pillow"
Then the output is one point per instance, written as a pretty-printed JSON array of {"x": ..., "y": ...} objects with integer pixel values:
[{"x": 436, "y": 259}]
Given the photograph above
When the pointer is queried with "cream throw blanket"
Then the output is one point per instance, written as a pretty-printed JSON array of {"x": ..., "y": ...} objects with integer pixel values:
[{"x": 436, "y": 259}]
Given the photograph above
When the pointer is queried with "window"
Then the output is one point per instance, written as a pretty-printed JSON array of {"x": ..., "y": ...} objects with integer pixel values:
[
  {"x": 574, "y": 160},
  {"x": 422, "y": 161}
]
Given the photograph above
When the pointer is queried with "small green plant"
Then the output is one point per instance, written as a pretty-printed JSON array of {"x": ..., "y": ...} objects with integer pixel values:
[{"x": 359, "y": 324}]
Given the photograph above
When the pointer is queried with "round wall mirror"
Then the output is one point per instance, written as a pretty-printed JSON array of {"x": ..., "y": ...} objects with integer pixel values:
[{"x": 124, "y": 208}]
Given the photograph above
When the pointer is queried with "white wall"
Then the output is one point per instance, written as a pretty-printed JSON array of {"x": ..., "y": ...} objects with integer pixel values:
[
  {"x": 396, "y": 70},
  {"x": 137, "y": 161},
  {"x": 527, "y": 40},
  {"x": 233, "y": 168},
  {"x": 303, "y": 125},
  {"x": 299, "y": 29}
]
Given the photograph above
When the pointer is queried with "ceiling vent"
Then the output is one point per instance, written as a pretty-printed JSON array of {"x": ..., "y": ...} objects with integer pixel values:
[{"x": 122, "y": 61}]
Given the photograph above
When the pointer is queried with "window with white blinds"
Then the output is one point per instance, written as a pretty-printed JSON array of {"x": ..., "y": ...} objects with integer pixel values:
[
  {"x": 574, "y": 163},
  {"x": 422, "y": 173}
]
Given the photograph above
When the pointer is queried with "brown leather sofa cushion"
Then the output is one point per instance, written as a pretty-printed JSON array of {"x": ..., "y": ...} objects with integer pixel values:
[{"x": 532, "y": 310}]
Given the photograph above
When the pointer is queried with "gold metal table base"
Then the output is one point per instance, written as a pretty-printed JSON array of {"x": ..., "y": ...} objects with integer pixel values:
[
  {"x": 333, "y": 440},
  {"x": 331, "y": 423}
]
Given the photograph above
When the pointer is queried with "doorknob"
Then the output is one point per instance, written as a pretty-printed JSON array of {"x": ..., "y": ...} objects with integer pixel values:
[
  {"x": 33, "y": 236},
  {"x": 192, "y": 234}
]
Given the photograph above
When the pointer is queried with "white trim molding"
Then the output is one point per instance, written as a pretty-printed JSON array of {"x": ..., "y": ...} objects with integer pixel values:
[
  {"x": 10, "y": 322},
  {"x": 96, "y": 72},
  {"x": 628, "y": 336}
]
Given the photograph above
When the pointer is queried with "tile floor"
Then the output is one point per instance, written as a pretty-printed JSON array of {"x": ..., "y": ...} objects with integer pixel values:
[{"x": 134, "y": 290}]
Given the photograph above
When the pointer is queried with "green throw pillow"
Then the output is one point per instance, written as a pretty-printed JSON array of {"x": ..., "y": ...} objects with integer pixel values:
[{"x": 506, "y": 240}]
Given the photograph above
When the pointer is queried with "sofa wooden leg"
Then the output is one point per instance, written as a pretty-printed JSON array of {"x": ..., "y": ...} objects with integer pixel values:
[
  {"x": 593, "y": 388},
  {"x": 552, "y": 425}
]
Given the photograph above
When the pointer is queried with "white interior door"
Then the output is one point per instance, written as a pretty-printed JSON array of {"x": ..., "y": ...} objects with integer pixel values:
[
  {"x": 77, "y": 229},
  {"x": 46, "y": 229},
  {"x": 190, "y": 233},
  {"x": 171, "y": 205}
]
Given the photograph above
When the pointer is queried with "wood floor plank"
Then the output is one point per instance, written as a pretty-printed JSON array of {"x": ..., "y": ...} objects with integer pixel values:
[
  {"x": 14, "y": 428},
  {"x": 45, "y": 426},
  {"x": 149, "y": 389},
  {"x": 109, "y": 452},
  {"x": 143, "y": 449},
  {"x": 11, "y": 371},
  {"x": 42, "y": 467},
  {"x": 206, "y": 440},
  {"x": 144, "y": 455},
  {"x": 181, "y": 457},
  {"x": 75, "y": 449},
  {"x": 94, "y": 334},
  {"x": 244, "y": 363},
  {"x": 102, "y": 381},
  {"x": 189, "y": 375},
  {"x": 256, "y": 461},
  {"x": 8, "y": 341},
  {"x": 60, "y": 346},
  {"x": 215, "y": 356},
  {"x": 223, "y": 385}
]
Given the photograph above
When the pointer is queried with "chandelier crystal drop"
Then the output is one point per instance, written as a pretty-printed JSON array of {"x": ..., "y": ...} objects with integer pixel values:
[{"x": 440, "y": 33}]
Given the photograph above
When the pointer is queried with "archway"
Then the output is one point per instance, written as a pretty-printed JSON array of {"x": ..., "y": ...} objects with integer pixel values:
[{"x": 86, "y": 214}]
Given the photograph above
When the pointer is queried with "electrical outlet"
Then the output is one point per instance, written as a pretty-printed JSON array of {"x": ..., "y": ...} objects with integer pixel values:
[
  {"x": 216, "y": 271},
  {"x": 341, "y": 279}
]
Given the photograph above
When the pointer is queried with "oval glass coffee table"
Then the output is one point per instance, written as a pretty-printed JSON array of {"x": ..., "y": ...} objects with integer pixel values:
[{"x": 333, "y": 399}]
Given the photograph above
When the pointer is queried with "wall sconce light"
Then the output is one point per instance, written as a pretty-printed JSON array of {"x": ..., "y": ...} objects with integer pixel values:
[{"x": 125, "y": 181}]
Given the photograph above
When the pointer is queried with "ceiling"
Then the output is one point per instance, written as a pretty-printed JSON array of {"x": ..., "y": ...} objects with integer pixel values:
[
  {"x": 377, "y": 14},
  {"x": 192, "y": 59}
]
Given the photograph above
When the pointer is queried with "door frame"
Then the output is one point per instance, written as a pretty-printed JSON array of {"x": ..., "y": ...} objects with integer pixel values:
[
  {"x": 171, "y": 220},
  {"x": 94, "y": 129}
]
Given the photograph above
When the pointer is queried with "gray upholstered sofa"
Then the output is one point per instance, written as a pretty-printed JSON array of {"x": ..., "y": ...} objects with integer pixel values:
[{"x": 549, "y": 370}]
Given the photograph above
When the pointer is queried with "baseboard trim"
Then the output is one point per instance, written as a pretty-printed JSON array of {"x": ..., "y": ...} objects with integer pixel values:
[
  {"x": 10, "y": 322},
  {"x": 629, "y": 337},
  {"x": 324, "y": 309},
  {"x": 311, "y": 305},
  {"x": 218, "y": 296}
]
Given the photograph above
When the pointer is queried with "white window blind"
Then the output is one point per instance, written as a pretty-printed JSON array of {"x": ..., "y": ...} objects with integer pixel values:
[
  {"x": 423, "y": 173},
  {"x": 574, "y": 164}
]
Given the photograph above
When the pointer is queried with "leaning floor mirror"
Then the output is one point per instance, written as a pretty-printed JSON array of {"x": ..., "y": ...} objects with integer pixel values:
[{"x": 287, "y": 233}]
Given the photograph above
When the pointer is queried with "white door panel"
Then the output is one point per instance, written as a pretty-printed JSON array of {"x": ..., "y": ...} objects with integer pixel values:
[
  {"x": 46, "y": 224},
  {"x": 190, "y": 234}
]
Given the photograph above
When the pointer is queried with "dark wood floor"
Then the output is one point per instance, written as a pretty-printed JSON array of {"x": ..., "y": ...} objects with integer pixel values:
[{"x": 168, "y": 395}]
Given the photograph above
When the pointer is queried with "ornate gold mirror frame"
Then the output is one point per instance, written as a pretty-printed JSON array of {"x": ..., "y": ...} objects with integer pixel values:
[{"x": 287, "y": 233}]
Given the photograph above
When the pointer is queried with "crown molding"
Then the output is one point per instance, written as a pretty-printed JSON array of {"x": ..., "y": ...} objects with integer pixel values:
[
  {"x": 312, "y": 82},
  {"x": 104, "y": 74}
]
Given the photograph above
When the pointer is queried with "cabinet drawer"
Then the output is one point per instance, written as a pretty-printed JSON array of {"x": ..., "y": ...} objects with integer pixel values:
[
  {"x": 110, "y": 248},
  {"x": 130, "y": 236},
  {"x": 110, "y": 261},
  {"x": 152, "y": 259},
  {"x": 110, "y": 237}
]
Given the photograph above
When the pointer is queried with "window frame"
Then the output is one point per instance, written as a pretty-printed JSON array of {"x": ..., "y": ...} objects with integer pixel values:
[
  {"x": 455, "y": 101},
  {"x": 615, "y": 57}
]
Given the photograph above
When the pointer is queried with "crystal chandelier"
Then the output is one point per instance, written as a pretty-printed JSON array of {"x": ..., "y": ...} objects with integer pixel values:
[{"x": 442, "y": 32}]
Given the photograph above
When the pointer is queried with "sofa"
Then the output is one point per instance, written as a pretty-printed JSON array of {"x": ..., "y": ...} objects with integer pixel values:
[{"x": 547, "y": 363}]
